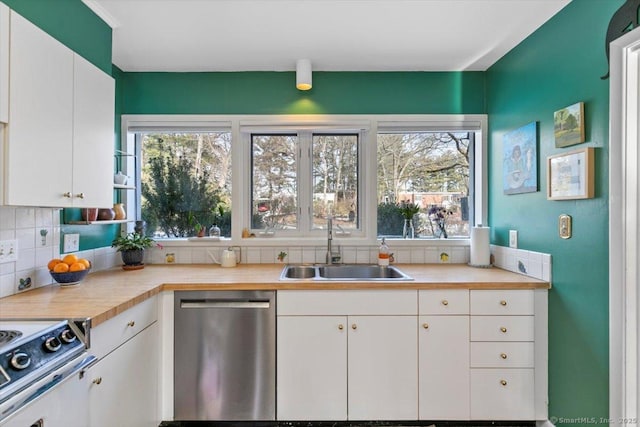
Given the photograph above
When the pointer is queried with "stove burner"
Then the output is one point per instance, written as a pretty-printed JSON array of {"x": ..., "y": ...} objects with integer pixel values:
[{"x": 8, "y": 336}]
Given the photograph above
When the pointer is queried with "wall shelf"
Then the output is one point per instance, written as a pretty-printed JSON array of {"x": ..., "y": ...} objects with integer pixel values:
[
  {"x": 114, "y": 221},
  {"x": 123, "y": 187}
]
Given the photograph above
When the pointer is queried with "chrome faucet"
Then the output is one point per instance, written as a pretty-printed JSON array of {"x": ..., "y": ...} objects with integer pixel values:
[
  {"x": 329, "y": 239},
  {"x": 331, "y": 256}
]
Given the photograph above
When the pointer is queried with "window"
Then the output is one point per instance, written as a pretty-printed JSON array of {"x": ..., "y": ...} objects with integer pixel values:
[
  {"x": 282, "y": 190},
  {"x": 431, "y": 170},
  {"x": 291, "y": 171},
  {"x": 185, "y": 182}
]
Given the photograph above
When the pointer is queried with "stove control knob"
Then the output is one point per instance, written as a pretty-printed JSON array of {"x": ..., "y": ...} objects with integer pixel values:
[
  {"x": 20, "y": 361},
  {"x": 67, "y": 336},
  {"x": 52, "y": 344}
]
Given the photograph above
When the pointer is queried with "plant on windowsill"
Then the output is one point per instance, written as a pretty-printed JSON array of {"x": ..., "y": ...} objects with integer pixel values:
[
  {"x": 408, "y": 210},
  {"x": 131, "y": 247}
]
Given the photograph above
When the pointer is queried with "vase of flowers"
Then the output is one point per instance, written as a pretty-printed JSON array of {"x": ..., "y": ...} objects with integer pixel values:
[
  {"x": 408, "y": 210},
  {"x": 438, "y": 216}
]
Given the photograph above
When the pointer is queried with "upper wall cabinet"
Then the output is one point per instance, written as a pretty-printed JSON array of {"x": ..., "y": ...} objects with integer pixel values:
[
  {"x": 59, "y": 142},
  {"x": 4, "y": 63}
]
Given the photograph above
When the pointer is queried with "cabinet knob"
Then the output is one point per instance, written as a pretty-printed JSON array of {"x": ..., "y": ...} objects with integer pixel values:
[
  {"x": 67, "y": 194},
  {"x": 425, "y": 325},
  {"x": 503, "y": 355},
  {"x": 503, "y": 330},
  {"x": 131, "y": 323},
  {"x": 503, "y": 382},
  {"x": 503, "y": 303},
  {"x": 445, "y": 302},
  {"x": 80, "y": 195},
  {"x": 97, "y": 381},
  {"x": 354, "y": 326},
  {"x": 341, "y": 326}
]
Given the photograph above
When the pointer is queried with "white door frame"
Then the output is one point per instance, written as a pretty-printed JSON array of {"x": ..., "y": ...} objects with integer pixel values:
[{"x": 624, "y": 229}]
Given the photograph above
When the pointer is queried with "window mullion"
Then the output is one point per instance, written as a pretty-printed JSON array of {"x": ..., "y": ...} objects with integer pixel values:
[{"x": 304, "y": 182}]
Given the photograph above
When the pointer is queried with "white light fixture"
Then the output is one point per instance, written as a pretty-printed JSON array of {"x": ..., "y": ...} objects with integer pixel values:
[{"x": 303, "y": 74}]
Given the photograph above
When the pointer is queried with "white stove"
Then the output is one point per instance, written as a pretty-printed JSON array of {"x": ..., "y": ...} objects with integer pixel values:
[{"x": 36, "y": 356}]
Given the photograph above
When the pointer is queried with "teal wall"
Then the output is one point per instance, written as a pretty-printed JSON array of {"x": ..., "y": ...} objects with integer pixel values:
[
  {"x": 72, "y": 24},
  {"x": 559, "y": 65},
  {"x": 332, "y": 93}
]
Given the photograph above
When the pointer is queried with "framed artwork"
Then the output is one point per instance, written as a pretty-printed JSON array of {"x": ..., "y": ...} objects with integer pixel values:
[
  {"x": 520, "y": 160},
  {"x": 570, "y": 175},
  {"x": 568, "y": 125}
]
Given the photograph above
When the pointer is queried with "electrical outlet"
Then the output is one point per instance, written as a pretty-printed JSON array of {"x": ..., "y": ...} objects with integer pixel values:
[
  {"x": 513, "y": 239},
  {"x": 8, "y": 251},
  {"x": 71, "y": 243}
]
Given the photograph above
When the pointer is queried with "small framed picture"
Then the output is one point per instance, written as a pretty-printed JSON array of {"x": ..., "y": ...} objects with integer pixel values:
[
  {"x": 568, "y": 125},
  {"x": 520, "y": 160},
  {"x": 570, "y": 175}
]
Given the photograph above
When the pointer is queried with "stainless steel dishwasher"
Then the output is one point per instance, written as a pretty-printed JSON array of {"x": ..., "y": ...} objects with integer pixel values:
[{"x": 224, "y": 355}]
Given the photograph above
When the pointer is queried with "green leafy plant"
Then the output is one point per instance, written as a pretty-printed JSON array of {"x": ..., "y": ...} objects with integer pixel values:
[
  {"x": 132, "y": 241},
  {"x": 408, "y": 210}
]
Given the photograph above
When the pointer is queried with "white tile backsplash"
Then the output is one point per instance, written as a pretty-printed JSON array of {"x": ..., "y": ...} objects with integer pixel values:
[{"x": 24, "y": 224}]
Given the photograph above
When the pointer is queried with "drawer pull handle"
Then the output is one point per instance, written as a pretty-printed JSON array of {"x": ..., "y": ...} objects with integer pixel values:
[
  {"x": 503, "y": 355},
  {"x": 354, "y": 326},
  {"x": 425, "y": 325},
  {"x": 97, "y": 381},
  {"x": 131, "y": 323},
  {"x": 503, "y": 303},
  {"x": 340, "y": 326},
  {"x": 503, "y": 383},
  {"x": 80, "y": 195},
  {"x": 445, "y": 302},
  {"x": 503, "y": 330},
  {"x": 67, "y": 195}
]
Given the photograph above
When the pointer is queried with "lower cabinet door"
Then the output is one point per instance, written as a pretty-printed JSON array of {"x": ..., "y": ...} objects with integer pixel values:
[
  {"x": 123, "y": 386},
  {"x": 383, "y": 356},
  {"x": 312, "y": 368},
  {"x": 502, "y": 394},
  {"x": 444, "y": 367}
]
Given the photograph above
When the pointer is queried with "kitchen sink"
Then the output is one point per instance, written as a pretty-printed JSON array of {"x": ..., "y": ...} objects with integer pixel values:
[{"x": 343, "y": 272}]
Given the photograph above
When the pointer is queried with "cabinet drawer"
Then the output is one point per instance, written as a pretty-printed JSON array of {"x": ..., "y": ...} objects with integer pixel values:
[
  {"x": 109, "y": 335},
  {"x": 444, "y": 301},
  {"x": 502, "y": 328},
  {"x": 502, "y": 355},
  {"x": 347, "y": 302},
  {"x": 502, "y": 302},
  {"x": 502, "y": 394}
]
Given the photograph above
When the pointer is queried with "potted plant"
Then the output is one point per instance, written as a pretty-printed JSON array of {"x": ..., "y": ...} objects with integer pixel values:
[{"x": 131, "y": 247}]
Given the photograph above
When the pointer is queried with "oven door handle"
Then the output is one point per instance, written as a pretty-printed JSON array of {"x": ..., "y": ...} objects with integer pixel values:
[{"x": 58, "y": 378}]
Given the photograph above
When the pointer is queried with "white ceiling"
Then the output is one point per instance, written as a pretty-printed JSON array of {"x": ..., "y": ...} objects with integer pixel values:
[{"x": 336, "y": 35}]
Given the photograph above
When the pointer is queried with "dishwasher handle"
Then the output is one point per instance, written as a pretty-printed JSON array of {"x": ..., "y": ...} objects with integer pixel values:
[{"x": 225, "y": 303}]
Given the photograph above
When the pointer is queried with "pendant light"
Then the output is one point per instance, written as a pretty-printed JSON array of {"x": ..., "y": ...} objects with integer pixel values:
[{"x": 303, "y": 74}]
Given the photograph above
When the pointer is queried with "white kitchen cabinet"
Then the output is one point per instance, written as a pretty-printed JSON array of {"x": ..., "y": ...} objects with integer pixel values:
[
  {"x": 59, "y": 139},
  {"x": 312, "y": 368},
  {"x": 123, "y": 385},
  {"x": 444, "y": 367},
  {"x": 443, "y": 336},
  {"x": 4, "y": 63},
  {"x": 337, "y": 365}
]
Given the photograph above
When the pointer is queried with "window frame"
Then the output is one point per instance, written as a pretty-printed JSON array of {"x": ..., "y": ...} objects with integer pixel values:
[{"x": 241, "y": 127}]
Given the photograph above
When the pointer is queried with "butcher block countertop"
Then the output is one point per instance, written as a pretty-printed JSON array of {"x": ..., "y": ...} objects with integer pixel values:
[{"x": 104, "y": 294}]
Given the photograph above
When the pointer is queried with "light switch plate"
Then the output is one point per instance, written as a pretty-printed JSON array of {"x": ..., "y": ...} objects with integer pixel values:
[
  {"x": 71, "y": 243},
  {"x": 513, "y": 239},
  {"x": 8, "y": 251}
]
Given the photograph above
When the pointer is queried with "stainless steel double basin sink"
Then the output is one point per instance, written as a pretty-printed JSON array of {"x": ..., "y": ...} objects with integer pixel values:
[{"x": 343, "y": 272}]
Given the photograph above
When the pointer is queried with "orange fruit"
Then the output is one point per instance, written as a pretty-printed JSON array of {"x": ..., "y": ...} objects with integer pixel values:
[
  {"x": 77, "y": 266},
  {"x": 70, "y": 259},
  {"x": 85, "y": 262},
  {"x": 53, "y": 263},
  {"x": 61, "y": 267}
]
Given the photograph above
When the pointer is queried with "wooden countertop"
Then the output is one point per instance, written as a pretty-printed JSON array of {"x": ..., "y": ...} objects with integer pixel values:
[{"x": 104, "y": 294}]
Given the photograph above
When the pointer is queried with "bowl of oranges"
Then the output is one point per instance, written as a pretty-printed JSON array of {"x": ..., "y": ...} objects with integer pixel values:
[{"x": 69, "y": 270}]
